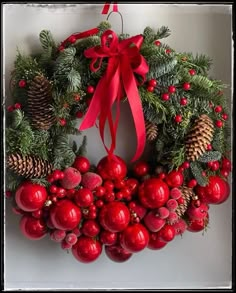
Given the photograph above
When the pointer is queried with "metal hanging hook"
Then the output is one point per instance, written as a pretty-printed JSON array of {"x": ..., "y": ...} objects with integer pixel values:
[{"x": 121, "y": 17}]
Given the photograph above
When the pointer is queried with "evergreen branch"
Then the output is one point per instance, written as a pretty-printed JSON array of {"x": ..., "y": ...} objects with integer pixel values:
[
  {"x": 103, "y": 26},
  {"x": 40, "y": 181},
  {"x": 82, "y": 149},
  {"x": 210, "y": 156},
  {"x": 178, "y": 157},
  {"x": 197, "y": 170},
  {"x": 163, "y": 32},
  {"x": 46, "y": 40},
  {"x": 74, "y": 81}
]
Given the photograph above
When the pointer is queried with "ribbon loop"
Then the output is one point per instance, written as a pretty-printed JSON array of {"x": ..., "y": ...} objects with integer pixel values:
[{"x": 106, "y": 7}]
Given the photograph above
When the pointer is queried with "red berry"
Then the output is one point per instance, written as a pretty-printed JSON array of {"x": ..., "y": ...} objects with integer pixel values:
[
  {"x": 71, "y": 238},
  {"x": 218, "y": 109},
  {"x": 181, "y": 200},
  {"x": 163, "y": 212},
  {"x": 141, "y": 169},
  {"x": 83, "y": 197},
  {"x": 168, "y": 51},
  {"x": 50, "y": 178},
  {"x": 132, "y": 205},
  {"x": 72, "y": 39},
  {"x": 82, "y": 164},
  {"x": 173, "y": 217},
  {"x": 192, "y": 72},
  {"x": 150, "y": 88},
  {"x": 186, "y": 86},
  {"x": 224, "y": 116},
  {"x": 210, "y": 104},
  {"x": 132, "y": 184},
  {"x": 152, "y": 82},
  {"x": 53, "y": 189},
  {"x": 109, "y": 197},
  {"x": 119, "y": 195},
  {"x": 22, "y": 83},
  {"x": 57, "y": 174},
  {"x": 90, "y": 89},
  {"x": 162, "y": 175},
  {"x": 99, "y": 203},
  {"x": 172, "y": 205},
  {"x": 157, "y": 43},
  {"x": 183, "y": 101},
  {"x": 119, "y": 184},
  {"x": 10, "y": 108},
  {"x": 62, "y": 121},
  {"x": 79, "y": 114},
  {"x": 61, "y": 192},
  {"x": 171, "y": 89},
  {"x": 8, "y": 194},
  {"x": 37, "y": 214},
  {"x": 192, "y": 183},
  {"x": 76, "y": 231},
  {"x": 77, "y": 97},
  {"x": 58, "y": 235},
  {"x": 186, "y": 165},
  {"x": 65, "y": 245},
  {"x": 61, "y": 48},
  {"x": 226, "y": 164},
  {"x": 108, "y": 238},
  {"x": 209, "y": 147},
  {"x": 90, "y": 228},
  {"x": 178, "y": 118},
  {"x": 100, "y": 191},
  {"x": 165, "y": 96},
  {"x": 215, "y": 166},
  {"x": 224, "y": 172},
  {"x": 109, "y": 185},
  {"x": 92, "y": 215},
  {"x": 219, "y": 123},
  {"x": 17, "y": 106}
]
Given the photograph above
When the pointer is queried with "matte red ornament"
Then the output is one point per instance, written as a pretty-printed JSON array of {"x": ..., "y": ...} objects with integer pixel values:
[
  {"x": 155, "y": 242},
  {"x": 82, "y": 164},
  {"x": 165, "y": 96},
  {"x": 117, "y": 253},
  {"x": 174, "y": 179},
  {"x": 153, "y": 193},
  {"x": 216, "y": 191},
  {"x": 65, "y": 215},
  {"x": 30, "y": 197},
  {"x": 86, "y": 249},
  {"x": 178, "y": 118},
  {"x": 113, "y": 168},
  {"x": 32, "y": 228},
  {"x": 114, "y": 216},
  {"x": 134, "y": 238}
]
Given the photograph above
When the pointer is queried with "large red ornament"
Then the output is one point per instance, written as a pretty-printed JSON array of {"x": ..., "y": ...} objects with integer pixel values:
[
  {"x": 32, "y": 228},
  {"x": 198, "y": 213},
  {"x": 155, "y": 242},
  {"x": 174, "y": 179},
  {"x": 112, "y": 168},
  {"x": 65, "y": 215},
  {"x": 117, "y": 253},
  {"x": 114, "y": 216},
  {"x": 86, "y": 249},
  {"x": 30, "y": 197},
  {"x": 215, "y": 192},
  {"x": 153, "y": 193},
  {"x": 197, "y": 225},
  {"x": 134, "y": 238}
]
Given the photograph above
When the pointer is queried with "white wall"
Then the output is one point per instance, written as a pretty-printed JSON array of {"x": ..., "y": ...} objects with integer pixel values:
[{"x": 195, "y": 261}]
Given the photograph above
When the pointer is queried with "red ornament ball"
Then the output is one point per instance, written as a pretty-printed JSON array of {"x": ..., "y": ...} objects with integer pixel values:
[
  {"x": 90, "y": 89},
  {"x": 183, "y": 101},
  {"x": 197, "y": 225},
  {"x": 157, "y": 43},
  {"x": 117, "y": 253},
  {"x": 150, "y": 88},
  {"x": 83, "y": 197},
  {"x": 174, "y": 179},
  {"x": 215, "y": 192},
  {"x": 62, "y": 121},
  {"x": 65, "y": 215},
  {"x": 72, "y": 39},
  {"x": 165, "y": 96},
  {"x": 178, "y": 118},
  {"x": 209, "y": 147},
  {"x": 22, "y": 83},
  {"x": 79, "y": 114},
  {"x": 108, "y": 238},
  {"x": 17, "y": 106},
  {"x": 114, "y": 216},
  {"x": 82, "y": 164},
  {"x": 134, "y": 238},
  {"x": 226, "y": 164},
  {"x": 218, "y": 109},
  {"x": 192, "y": 72},
  {"x": 186, "y": 86},
  {"x": 167, "y": 233},
  {"x": 90, "y": 228},
  {"x": 113, "y": 168},
  {"x": 155, "y": 242},
  {"x": 153, "y": 193},
  {"x": 224, "y": 116},
  {"x": 141, "y": 169},
  {"x": 30, "y": 197},
  {"x": 152, "y": 82},
  {"x": 171, "y": 89},
  {"x": 32, "y": 228},
  {"x": 219, "y": 123},
  {"x": 86, "y": 249},
  {"x": 168, "y": 51}
]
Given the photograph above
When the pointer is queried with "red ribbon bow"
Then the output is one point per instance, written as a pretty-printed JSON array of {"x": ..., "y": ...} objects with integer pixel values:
[
  {"x": 124, "y": 59},
  {"x": 106, "y": 7}
]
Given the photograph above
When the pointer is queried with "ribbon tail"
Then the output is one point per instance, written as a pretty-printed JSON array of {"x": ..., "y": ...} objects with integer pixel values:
[{"x": 106, "y": 7}]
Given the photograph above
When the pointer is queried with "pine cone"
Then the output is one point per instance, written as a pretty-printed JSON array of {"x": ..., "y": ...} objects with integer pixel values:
[
  {"x": 39, "y": 101},
  {"x": 187, "y": 194},
  {"x": 151, "y": 130},
  {"x": 28, "y": 166},
  {"x": 199, "y": 137}
]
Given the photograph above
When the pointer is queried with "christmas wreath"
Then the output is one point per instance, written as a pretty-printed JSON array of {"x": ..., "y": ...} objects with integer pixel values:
[{"x": 178, "y": 111}]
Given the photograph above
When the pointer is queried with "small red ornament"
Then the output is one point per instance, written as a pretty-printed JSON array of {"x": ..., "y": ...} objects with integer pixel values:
[
  {"x": 165, "y": 96},
  {"x": 132, "y": 185},
  {"x": 197, "y": 225},
  {"x": 134, "y": 238},
  {"x": 71, "y": 238},
  {"x": 209, "y": 147},
  {"x": 86, "y": 249},
  {"x": 114, "y": 216},
  {"x": 90, "y": 228},
  {"x": 167, "y": 233},
  {"x": 153, "y": 193},
  {"x": 186, "y": 165},
  {"x": 82, "y": 164},
  {"x": 186, "y": 86},
  {"x": 90, "y": 89},
  {"x": 32, "y": 228},
  {"x": 65, "y": 215},
  {"x": 141, "y": 169},
  {"x": 224, "y": 116},
  {"x": 83, "y": 197},
  {"x": 214, "y": 166},
  {"x": 178, "y": 118},
  {"x": 168, "y": 51},
  {"x": 10, "y": 108},
  {"x": 219, "y": 123},
  {"x": 62, "y": 121},
  {"x": 22, "y": 83},
  {"x": 153, "y": 222},
  {"x": 226, "y": 164},
  {"x": 215, "y": 192},
  {"x": 108, "y": 238},
  {"x": 117, "y": 253},
  {"x": 71, "y": 179},
  {"x": 218, "y": 109},
  {"x": 192, "y": 72},
  {"x": 224, "y": 173},
  {"x": 77, "y": 97},
  {"x": 197, "y": 213},
  {"x": 37, "y": 214},
  {"x": 157, "y": 43},
  {"x": 152, "y": 82},
  {"x": 113, "y": 168},
  {"x": 17, "y": 106},
  {"x": 155, "y": 242},
  {"x": 174, "y": 179},
  {"x": 100, "y": 191},
  {"x": 30, "y": 197},
  {"x": 72, "y": 39},
  {"x": 138, "y": 209},
  {"x": 171, "y": 89},
  {"x": 79, "y": 114},
  {"x": 192, "y": 183},
  {"x": 91, "y": 180},
  {"x": 183, "y": 101},
  {"x": 150, "y": 88}
]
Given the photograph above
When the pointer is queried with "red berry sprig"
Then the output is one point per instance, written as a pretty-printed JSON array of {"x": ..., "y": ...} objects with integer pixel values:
[
  {"x": 219, "y": 123},
  {"x": 171, "y": 89},
  {"x": 157, "y": 43},
  {"x": 178, "y": 118},
  {"x": 165, "y": 96},
  {"x": 22, "y": 83},
  {"x": 90, "y": 89},
  {"x": 183, "y": 101},
  {"x": 186, "y": 86},
  {"x": 192, "y": 72}
]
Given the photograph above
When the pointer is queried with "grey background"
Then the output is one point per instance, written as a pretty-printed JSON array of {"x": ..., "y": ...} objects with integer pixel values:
[{"x": 193, "y": 261}]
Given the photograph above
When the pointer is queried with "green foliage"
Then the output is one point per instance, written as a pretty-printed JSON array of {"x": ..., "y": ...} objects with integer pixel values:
[
  {"x": 210, "y": 156},
  {"x": 150, "y": 35},
  {"x": 82, "y": 151},
  {"x": 46, "y": 39},
  {"x": 178, "y": 157},
  {"x": 40, "y": 181},
  {"x": 103, "y": 26},
  {"x": 197, "y": 170}
]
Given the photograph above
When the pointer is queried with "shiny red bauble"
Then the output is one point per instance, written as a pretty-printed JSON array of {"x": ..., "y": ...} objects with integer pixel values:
[
  {"x": 141, "y": 169},
  {"x": 198, "y": 213},
  {"x": 83, "y": 197},
  {"x": 226, "y": 164},
  {"x": 174, "y": 179},
  {"x": 32, "y": 228},
  {"x": 86, "y": 249},
  {"x": 155, "y": 242},
  {"x": 90, "y": 228},
  {"x": 82, "y": 164},
  {"x": 117, "y": 253},
  {"x": 167, "y": 233},
  {"x": 65, "y": 215},
  {"x": 197, "y": 225},
  {"x": 114, "y": 216},
  {"x": 153, "y": 222},
  {"x": 134, "y": 238},
  {"x": 153, "y": 193},
  {"x": 112, "y": 168},
  {"x": 30, "y": 197},
  {"x": 215, "y": 192},
  {"x": 108, "y": 238}
]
